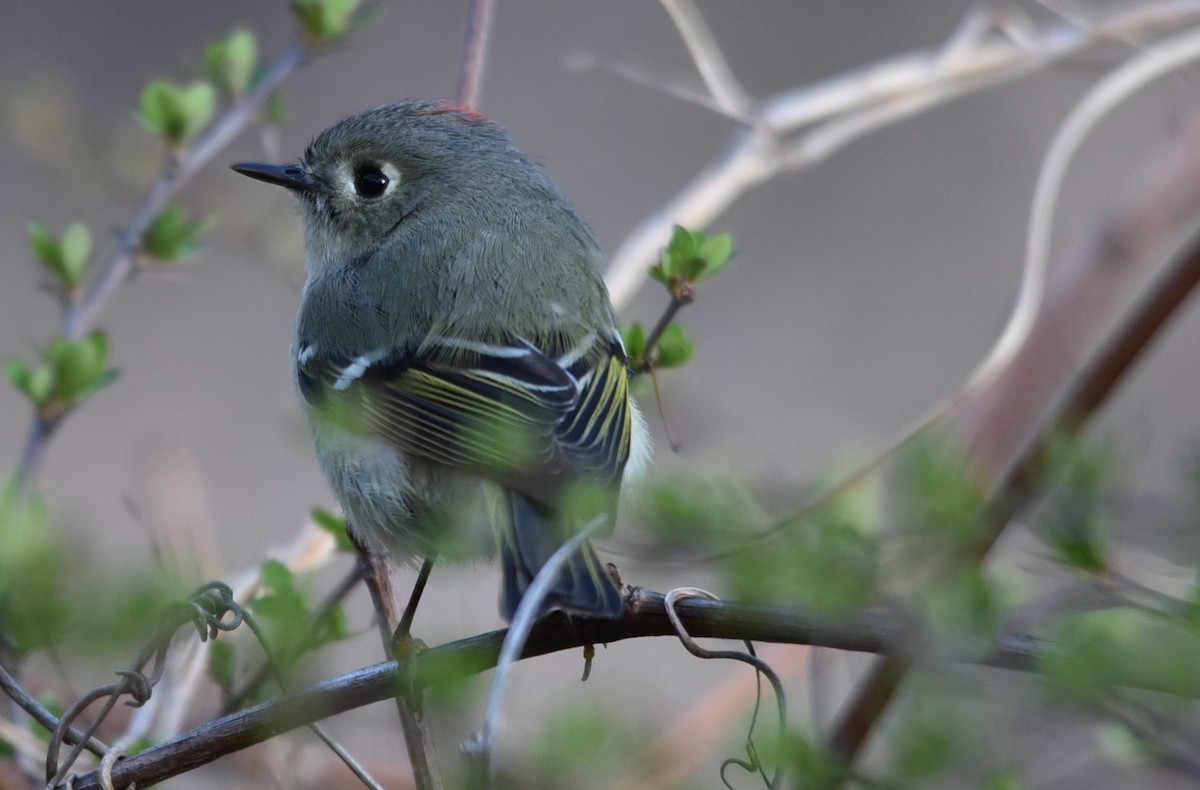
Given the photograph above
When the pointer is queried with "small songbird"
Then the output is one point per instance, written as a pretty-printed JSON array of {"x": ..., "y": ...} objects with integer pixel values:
[{"x": 456, "y": 347}]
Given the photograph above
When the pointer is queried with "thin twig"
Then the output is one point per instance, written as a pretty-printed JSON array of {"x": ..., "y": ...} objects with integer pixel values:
[
  {"x": 726, "y": 91},
  {"x": 479, "y": 748},
  {"x": 847, "y": 107},
  {"x": 347, "y": 759},
  {"x": 418, "y": 741},
  {"x": 81, "y": 315},
  {"x": 319, "y": 621},
  {"x": 474, "y": 53},
  {"x": 1100, "y": 100},
  {"x": 42, "y": 715}
]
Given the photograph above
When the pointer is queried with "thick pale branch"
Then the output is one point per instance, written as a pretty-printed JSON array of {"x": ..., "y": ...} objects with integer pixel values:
[{"x": 798, "y": 128}]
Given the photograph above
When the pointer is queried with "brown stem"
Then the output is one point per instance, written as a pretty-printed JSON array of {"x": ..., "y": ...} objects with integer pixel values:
[
  {"x": 1173, "y": 203},
  {"x": 645, "y": 616}
]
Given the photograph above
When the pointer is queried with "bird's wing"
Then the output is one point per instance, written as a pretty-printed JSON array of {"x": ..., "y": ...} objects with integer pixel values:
[{"x": 524, "y": 416}]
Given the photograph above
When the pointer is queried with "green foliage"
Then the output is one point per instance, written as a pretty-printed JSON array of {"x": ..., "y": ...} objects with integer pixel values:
[
  {"x": 70, "y": 371},
  {"x": 577, "y": 741},
  {"x": 326, "y": 20},
  {"x": 172, "y": 237},
  {"x": 222, "y": 665},
  {"x": 808, "y": 763},
  {"x": 1073, "y": 518},
  {"x": 32, "y": 575},
  {"x": 140, "y": 745},
  {"x": 230, "y": 62},
  {"x": 939, "y": 504},
  {"x": 675, "y": 348},
  {"x": 177, "y": 113},
  {"x": 965, "y": 608},
  {"x": 691, "y": 257},
  {"x": 927, "y": 746},
  {"x": 826, "y": 564},
  {"x": 56, "y": 708},
  {"x": 634, "y": 337},
  {"x": 1097, "y": 651},
  {"x": 65, "y": 259},
  {"x": 285, "y": 610},
  {"x": 335, "y": 526},
  {"x": 698, "y": 513}
]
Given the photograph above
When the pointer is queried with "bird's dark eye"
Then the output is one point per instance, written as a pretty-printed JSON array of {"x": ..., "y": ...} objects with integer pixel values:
[{"x": 369, "y": 181}]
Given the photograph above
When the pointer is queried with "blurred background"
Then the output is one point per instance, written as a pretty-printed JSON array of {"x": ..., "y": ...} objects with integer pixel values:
[{"x": 863, "y": 291}]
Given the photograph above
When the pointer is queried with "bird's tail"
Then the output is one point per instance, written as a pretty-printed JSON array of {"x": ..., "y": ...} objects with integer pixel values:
[{"x": 583, "y": 587}]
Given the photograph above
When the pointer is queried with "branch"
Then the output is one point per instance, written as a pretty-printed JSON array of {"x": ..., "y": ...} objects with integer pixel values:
[
  {"x": 796, "y": 129},
  {"x": 1169, "y": 206},
  {"x": 645, "y": 616},
  {"x": 80, "y": 316},
  {"x": 474, "y": 53}
]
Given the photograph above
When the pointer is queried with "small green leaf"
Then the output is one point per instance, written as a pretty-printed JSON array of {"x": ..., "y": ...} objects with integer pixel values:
[
  {"x": 175, "y": 112},
  {"x": 70, "y": 371},
  {"x": 41, "y": 385},
  {"x": 65, "y": 260},
  {"x": 690, "y": 257},
  {"x": 325, "y": 20},
  {"x": 1095, "y": 652},
  {"x": 19, "y": 375},
  {"x": 674, "y": 347},
  {"x": 680, "y": 249},
  {"x": 635, "y": 345},
  {"x": 76, "y": 246},
  {"x": 222, "y": 665},
  {"x": 335, "y": 526},
  {"x": 691, "y": 269},
  {"x": 79, "y": 366},
  {"x": 45, "y": 248},
  {"x": 716, "y": 251},
  {"x": 172, "y": 237},
  {"x": 278, "y": 578},
  {"x": 230, "y": 62}
]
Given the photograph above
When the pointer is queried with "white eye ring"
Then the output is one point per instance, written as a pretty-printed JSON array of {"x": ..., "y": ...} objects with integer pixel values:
[{"x": 370, "y": 181}]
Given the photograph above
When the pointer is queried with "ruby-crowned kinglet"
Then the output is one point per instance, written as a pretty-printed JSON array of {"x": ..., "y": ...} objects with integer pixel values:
[{"x": 456, "y": 346}]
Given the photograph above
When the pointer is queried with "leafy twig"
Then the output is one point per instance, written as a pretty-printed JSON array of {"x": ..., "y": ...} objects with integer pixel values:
[{"x": 81, "y": 314}]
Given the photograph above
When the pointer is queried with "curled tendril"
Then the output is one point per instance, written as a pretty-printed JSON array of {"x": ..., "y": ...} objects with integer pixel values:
[
  {"x": 211, "y": 609},
  {"x": 763, "y": 669},
  {"x": 207, "y": 609}
]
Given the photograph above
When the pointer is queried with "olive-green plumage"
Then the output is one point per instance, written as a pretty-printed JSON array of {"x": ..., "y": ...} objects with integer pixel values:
[{"x": 456, "y": 346}]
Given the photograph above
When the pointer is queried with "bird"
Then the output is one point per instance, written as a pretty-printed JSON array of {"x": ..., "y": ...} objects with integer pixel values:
[{"x": 456, "y": 349}]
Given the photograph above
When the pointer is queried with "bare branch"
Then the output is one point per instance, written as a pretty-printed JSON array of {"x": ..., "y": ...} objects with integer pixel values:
[
  {"x": 1001, "y": 420},
  {"x": 842, "y": 109},
  {"x": 474, "y": 53},
  {"x": 727, "y": 93},
  {"x": 646, "y": 615}
]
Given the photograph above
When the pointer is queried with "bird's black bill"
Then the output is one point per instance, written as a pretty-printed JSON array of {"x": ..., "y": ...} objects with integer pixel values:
[{"x": 290, "y": 176}]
